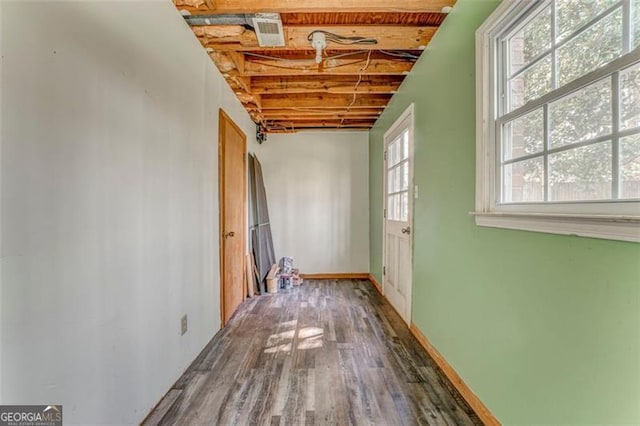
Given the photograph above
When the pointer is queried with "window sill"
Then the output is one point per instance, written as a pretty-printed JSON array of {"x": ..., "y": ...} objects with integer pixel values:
[{"x": 623, "y": 228}]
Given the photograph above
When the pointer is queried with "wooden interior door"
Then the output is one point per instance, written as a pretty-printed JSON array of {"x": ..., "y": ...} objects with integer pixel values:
[
  {"x": 232, "y": 150},
  {"x": 398, "y": 246}
]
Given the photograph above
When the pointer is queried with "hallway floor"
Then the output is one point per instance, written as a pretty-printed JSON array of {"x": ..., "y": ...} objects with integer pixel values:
[{"x": 327, "y": 352}]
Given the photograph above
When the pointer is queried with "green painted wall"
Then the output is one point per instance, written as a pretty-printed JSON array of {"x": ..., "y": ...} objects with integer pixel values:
[{"x": 544, "y": 328}]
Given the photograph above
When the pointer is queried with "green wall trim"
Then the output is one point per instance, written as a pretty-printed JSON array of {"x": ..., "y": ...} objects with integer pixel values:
[{"x": 545, "y": 329}]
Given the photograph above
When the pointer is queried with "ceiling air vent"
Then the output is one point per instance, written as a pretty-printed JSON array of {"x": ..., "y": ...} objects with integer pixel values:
[{"x": 268, "y": 27}]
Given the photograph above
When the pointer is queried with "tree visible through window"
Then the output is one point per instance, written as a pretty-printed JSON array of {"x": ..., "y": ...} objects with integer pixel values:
[{"x": 563, "y": 136}]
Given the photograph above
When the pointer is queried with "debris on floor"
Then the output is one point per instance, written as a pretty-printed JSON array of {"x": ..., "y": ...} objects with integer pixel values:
[
  {"x": 289, "y": 276},
  {"x": 272, "y": 279}
]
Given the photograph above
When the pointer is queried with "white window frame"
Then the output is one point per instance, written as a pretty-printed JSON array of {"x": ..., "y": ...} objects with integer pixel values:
[{"x": 617, "y": 220}]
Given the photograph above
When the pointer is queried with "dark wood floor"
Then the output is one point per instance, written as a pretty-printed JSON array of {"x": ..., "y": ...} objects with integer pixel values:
[{"x": 328, "y": 352}]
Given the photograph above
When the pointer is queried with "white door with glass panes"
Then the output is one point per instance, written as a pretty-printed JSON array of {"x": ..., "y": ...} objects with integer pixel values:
[{"x": 398, "y": 213}]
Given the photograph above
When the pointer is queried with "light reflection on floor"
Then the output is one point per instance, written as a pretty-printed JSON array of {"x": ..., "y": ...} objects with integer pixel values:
[{"x": 307, "y": 338}]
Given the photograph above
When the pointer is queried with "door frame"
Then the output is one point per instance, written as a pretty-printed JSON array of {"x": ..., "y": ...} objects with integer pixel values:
[
  {"x": 223, "y": 116},
  {"x": 393, "y": 129}
]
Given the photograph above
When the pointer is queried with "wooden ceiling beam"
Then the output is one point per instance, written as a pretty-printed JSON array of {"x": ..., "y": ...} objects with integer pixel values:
[
  {"x": 232, "y": 63},
  {"x": 328, "y": 129},
  {"x": 287, "y": 124},
  {"x": 228, "y": 37},
  {"x": 357, "y": 112},
  {"x": 310, "y": 54},
  {"x": 349, "y": 66},
  {"x": 370, "y": 18},
  {"x": 320, "y": 101},
  {"x": 323, "y": 84},
  {"x": 321, "y": 118},
  {"x": 310, "y": 112},
  {"x": 324, "y": 6}
]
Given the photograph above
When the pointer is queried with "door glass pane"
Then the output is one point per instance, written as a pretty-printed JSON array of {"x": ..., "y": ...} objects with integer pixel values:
[
  {"x": 405, "y": 144},
  {"x": 530, "y": 84},
  {"x": 630, "y": 97},
  {"x": 391, "y": 207},
  {"x": 630, "y": 167},
  {"x": 532, "y": 40},
  {"x": 398, "y": 174},
  {"x": 393, "y": 156},
  {"x": 523, "y": 181},
  {"x": 391, "y": 181},
  {"x": 581, "y": 116},
  {"x": 524, "y": 135},
  {"x": 581, "y": 173},
  {"x": 403, "y": 172},
  {"x": 573, "y": 14},
  {"x": 588, "y": 51},
  {"x": 404, "y": 206}
]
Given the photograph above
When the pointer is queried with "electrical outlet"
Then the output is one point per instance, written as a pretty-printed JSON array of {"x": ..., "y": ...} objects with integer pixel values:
[{"x": 183, "y": 325}]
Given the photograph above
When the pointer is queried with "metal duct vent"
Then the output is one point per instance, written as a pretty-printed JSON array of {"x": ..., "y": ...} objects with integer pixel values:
[{"x": 268, "y": 28}]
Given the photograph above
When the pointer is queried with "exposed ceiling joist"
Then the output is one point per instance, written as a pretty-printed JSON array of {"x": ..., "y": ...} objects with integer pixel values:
[
  {"x": 338, "y": 112},
  {"x": 363, "y": 124},
  {"x": 341, "y": 81},
  {"x": 333, "y": 84},
  {"x": 421, "y": 19},
  {"x": 236, "y": 38},
  {"x": 351, "y": 66},
  {"x": 303, "y": 6},
  {"x": 323, "y": 101}
]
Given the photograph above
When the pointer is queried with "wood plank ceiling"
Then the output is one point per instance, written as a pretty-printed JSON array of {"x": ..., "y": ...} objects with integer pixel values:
[{"x": 370, "y": 47}]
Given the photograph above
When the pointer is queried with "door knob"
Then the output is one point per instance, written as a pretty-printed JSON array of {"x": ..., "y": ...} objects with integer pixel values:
[
  {"x": 406, "y": 230},
  {"x": 229, "y": 234}
]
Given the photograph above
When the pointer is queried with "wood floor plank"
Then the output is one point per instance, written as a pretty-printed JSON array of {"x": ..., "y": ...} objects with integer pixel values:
[
  {"x": 163, "y": 407},
  {"x": 329, "y": 352}
]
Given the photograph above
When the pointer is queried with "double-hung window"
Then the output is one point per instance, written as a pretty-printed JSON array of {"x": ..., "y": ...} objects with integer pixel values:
[{"x": 558, "y": 125}]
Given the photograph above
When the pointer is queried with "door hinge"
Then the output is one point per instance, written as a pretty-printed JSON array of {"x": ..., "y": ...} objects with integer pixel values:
[
  {"x": 385, "y": 155},
  {"x": 384, "y": 270},
  {"x": 385, "y": 213}
]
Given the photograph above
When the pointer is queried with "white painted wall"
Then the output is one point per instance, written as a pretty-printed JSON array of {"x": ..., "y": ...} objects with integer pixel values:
[
  {"x": 109, "y": 204},
  {"x": 318, "y": 197}
]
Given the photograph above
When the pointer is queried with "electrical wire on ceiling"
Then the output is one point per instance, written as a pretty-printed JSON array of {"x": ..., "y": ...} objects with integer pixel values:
[
  {"x": 276, "y": 58},
  {"x": 355, "y": 89},
  {"x": 402, "y": 55},
  {"x": 271, "y": 125},
  {"x": 308, "y": 67},
  {"x": 345, "y": 40},
  {"x": 407, "y": 56},
  {"x": 399, "y": 54}
]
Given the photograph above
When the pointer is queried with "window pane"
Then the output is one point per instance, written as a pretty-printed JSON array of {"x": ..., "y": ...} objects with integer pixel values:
[
  {"x": 581, "y": 116},
  {"x": 581, "y": 173},
  {"x": 533, "y": 39},
  {"x": 523, "y": 181},
  {"x": 630, "y": 97},
  {"x": 630, "y": 167},
  {"x": 530, "y": 84},
  {"x": 636, "y": 22},
  {"x": 595, "y": 47},
  {"x": 524, "y": 136},
  {"x": 404, "y": 207},
  {"x": 573, "y": 14}
]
